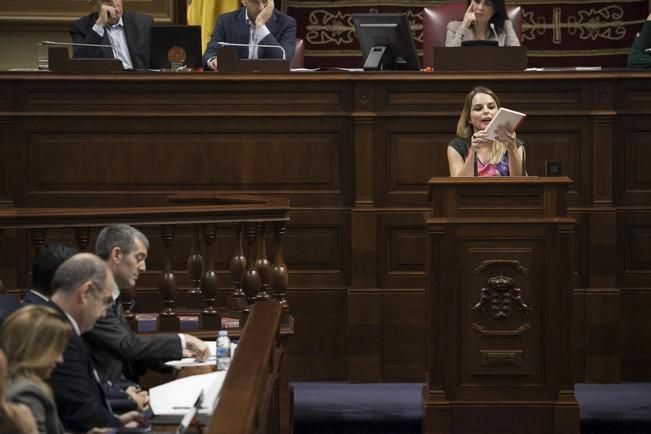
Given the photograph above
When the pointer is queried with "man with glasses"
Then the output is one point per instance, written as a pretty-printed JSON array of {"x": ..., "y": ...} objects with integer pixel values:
[
  {"x": 127, "y": 36},
  {"x": 83, "y": 285}
]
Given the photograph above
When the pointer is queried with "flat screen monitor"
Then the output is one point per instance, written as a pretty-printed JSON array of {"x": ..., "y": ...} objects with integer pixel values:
[
  {"x": 386, "y": 41},
  {"x": 170, "y": 44}
]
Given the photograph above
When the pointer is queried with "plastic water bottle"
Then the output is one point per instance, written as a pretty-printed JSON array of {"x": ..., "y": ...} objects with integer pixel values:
[{"x": 223, "y": 351}]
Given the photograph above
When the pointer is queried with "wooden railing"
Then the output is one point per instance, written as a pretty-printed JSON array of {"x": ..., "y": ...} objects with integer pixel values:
[
  {"x": 250, "y": 400},
  {"x": 254, "y": 276}
]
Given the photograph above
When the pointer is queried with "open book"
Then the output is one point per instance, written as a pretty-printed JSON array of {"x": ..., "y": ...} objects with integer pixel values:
[{"x": 510, "y": 119}]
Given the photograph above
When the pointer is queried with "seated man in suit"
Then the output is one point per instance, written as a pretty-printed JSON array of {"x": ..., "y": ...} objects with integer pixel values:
[
  {"x": 83, "y": 286},
  {"x": 127, "y": 34},
  {"x": 639, "y": 56},
  {"x": 122, "y": 397},
  {"x": 117, "y": 351},
  {"x": 255, "y": 23},
  {"x": 44, "y": 265}
]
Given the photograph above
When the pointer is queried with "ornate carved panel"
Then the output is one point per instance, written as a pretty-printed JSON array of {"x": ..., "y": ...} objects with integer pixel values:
[{"x": 503, "y": 309}]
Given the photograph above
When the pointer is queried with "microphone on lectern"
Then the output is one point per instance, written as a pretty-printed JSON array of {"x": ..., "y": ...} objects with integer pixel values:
[
  {"x": 232, "y": 44},
  {"x": 78, "y": 44}
]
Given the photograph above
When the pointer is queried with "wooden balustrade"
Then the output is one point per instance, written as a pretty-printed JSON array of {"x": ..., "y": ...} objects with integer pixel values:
[{"x": 254, "y": 277}]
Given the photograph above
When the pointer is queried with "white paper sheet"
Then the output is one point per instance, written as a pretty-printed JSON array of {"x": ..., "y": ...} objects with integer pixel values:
[{"x": 178, "y": 396}]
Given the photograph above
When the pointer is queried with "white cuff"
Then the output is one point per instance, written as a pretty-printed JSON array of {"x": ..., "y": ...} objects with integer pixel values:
[
  {"x": 260, "y": 33},
  {"x": 183, "y": 343},
  {"x": 99, "y": 30}
]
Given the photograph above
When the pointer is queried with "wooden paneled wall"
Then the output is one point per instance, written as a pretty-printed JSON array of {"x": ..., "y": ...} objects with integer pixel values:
[{"x": 353, "y": 152}]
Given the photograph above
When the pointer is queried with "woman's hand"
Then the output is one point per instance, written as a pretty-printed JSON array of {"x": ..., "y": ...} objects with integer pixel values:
[
  {"x": 479, "y": 139},
  {"x": 469, "y": 18},
  {"x": 507, "y": 137}
]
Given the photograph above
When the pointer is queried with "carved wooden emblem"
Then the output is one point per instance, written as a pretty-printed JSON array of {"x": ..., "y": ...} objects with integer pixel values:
[{"x": 500, "y": 295}]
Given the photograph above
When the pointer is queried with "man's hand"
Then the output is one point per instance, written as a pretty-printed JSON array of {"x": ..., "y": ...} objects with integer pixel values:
[
  {"x": 131, "y": 419},
  {"x": 141, "y": 397},
  {"x": 212, "y": 63},
  {"x": 107, "y": 15},
  {"x": 196, "y": 348},
  {"x": 265, "y": 14}
]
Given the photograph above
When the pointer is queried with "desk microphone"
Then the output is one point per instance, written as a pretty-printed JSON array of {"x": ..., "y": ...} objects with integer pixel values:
[
  {"x": 494, "y": 32},
  {"x": 232, "y": 44},
  {"x": 77, "y": 44}
]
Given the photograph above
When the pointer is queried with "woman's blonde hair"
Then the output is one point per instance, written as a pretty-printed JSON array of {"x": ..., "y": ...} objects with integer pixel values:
[
  {"x": 466, "y": 130},
  {"x": 32, "y": 339}
]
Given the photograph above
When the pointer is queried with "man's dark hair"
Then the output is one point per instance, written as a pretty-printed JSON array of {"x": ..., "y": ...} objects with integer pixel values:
[
  {"x": 45, "y": 264},
  {"x": 78, "y": 269},
  {"x": 122, "y": 236}
]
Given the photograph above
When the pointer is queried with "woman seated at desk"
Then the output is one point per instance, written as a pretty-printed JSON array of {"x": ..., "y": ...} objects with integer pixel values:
[
  {"x": 484, "y": 20},
  {"x": 472, "y": 153}
]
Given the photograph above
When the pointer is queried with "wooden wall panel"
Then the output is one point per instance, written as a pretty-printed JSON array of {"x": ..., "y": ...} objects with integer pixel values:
[
  {"x": 353, "y": 153},
  {"x": 22, "y": 13}
]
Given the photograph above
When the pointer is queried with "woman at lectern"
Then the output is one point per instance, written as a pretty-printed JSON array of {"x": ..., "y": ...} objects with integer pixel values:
[
  {"x": 483, "y": 20},
  {"x": 472, "y": 153}
]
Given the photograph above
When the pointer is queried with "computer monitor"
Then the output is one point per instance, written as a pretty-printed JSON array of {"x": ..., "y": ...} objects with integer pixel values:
[
  {"x": 171, "y": 43},
  {"x": 386, "y": 41}
]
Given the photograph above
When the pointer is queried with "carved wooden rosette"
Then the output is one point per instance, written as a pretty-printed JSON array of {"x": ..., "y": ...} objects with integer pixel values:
[{"x": 500, "y": 295}]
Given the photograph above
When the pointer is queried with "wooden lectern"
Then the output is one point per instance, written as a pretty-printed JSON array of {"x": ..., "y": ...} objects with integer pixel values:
[
  {"x": 479, "y": 58},
  {"x": 499, "y": 304}
]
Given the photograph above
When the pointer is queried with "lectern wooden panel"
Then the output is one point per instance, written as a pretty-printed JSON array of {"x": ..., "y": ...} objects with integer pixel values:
[{"x": 499, "y": 307}]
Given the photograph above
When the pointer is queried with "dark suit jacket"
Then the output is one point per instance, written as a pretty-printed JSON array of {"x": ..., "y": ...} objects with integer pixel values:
[
  {"x": 8, "y": 305},
  {"x": 232, "y": 27},
  {"x": 33, "y": 298},
  {"x": 79, "y": 397},
  {"x": 118, "y": 351},
  {"x": 137, "y": 30}
]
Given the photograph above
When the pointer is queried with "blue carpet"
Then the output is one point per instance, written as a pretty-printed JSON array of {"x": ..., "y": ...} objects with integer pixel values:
[{"x": 396, "y": 408}]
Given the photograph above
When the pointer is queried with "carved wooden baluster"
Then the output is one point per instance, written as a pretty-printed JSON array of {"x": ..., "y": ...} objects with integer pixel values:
[
  {"x": 209, "y": 283},
  {"x": 38, "y": 236},
  {"x": 279, "y": 275},
  {"x": 195, "y": 263},
  {"x": 167, "y": 282},
  {"x": 82, "y": 236},
  {"x": 262, "y": 264},
  {"x": 2, "y": 286},
  {"x": 237, "y": 299},
  {"x": 251, "y": 280}
]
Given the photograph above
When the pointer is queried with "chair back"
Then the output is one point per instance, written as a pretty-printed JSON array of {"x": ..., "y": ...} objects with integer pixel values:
[
  {"x": 299, "y": 54},
  {"x": 437, "y": 17}
]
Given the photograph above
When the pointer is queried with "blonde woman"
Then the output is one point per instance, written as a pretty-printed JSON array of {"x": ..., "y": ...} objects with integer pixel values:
[
  {"x": 472, "y": 153},
  {"x": 14, "y": 418},
  {"x": 34, "y": 338}
]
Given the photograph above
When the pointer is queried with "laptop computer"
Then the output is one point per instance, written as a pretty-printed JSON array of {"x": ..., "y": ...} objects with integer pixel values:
[{"x": 176, "y": 44}]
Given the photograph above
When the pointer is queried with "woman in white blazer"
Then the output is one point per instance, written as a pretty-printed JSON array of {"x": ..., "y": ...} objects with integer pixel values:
[{"x": 483, "y": 20}]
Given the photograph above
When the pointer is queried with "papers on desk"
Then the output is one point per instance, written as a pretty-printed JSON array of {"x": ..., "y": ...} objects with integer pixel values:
[
  {"x": 178, "y": 396},
  {"x": 191, "y": 361}
]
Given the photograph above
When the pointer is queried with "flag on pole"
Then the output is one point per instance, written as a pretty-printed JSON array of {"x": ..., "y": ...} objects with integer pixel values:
[{"x": 204, "y": 13}]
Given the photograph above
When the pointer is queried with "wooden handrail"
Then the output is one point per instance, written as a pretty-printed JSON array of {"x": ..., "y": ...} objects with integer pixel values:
[
  {"x": 200, "y": 211},
  {"x": 250, "y": 388}
]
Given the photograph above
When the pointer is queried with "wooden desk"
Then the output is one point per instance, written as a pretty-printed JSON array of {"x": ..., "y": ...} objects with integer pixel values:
[{"x": 353, "y": 152}]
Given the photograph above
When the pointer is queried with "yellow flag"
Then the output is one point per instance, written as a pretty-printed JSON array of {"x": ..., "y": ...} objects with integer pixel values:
[{"x": 204, "y": 13}]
